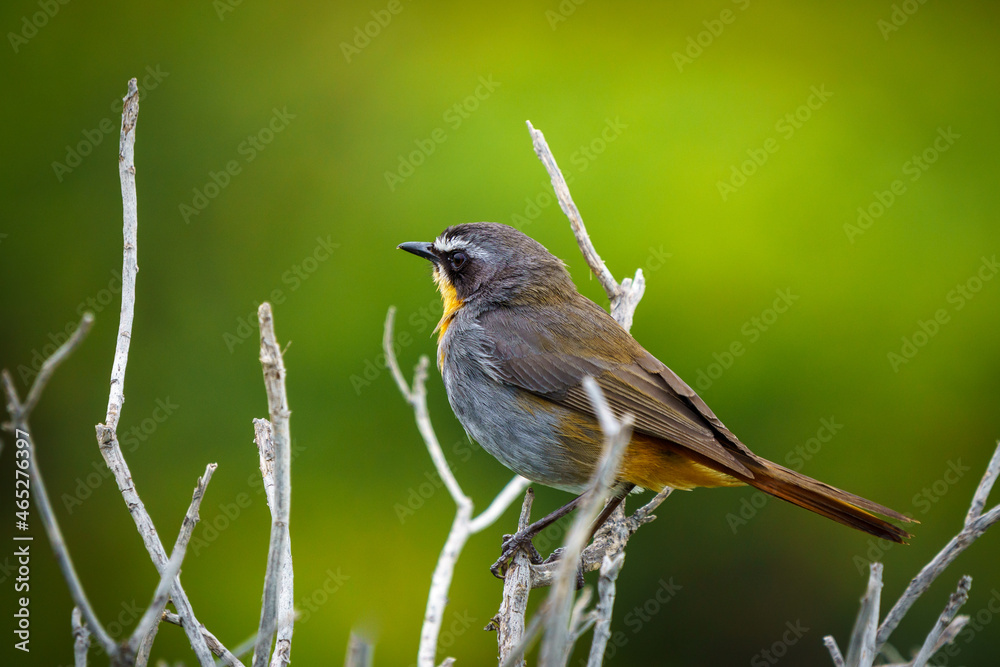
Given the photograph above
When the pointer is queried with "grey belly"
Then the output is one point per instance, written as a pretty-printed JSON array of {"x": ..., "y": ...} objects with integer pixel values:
[{"x": 529, "y": 444}]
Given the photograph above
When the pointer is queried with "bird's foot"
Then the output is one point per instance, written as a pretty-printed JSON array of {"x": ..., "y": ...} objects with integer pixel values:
[{"x": 510, "y": 546}]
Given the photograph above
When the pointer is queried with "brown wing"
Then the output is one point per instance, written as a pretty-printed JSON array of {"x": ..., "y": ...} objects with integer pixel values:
[{"x": 591, "y": 342}]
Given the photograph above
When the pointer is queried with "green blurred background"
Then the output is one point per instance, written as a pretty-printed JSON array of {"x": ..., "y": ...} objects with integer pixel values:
[{"x": 648, "y": 123}]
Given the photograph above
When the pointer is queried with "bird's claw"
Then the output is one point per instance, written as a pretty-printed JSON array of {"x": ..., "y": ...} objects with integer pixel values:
[{"x": 510, "y": 546}]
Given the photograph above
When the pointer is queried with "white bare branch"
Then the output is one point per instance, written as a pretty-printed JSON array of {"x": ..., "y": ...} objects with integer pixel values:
[
  {"x": 463, "y": 524},
  {"x": 277, "y": 609},
  {"x": 617, "y": 435},
  {"x": 976, "y": 523},
  {"x": 153, "y": 614}
]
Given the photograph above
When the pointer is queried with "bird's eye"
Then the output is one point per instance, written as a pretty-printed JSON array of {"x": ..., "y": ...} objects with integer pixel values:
[{"x": 458, "y": 260}]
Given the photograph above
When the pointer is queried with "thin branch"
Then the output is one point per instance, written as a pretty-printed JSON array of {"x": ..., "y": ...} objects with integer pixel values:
[
  {"x": 835, "y": 654},
  {"x": 81, "y": 639},
  {"x": 227, "y": 657},
  {"x": 417, "y": 398},
  {"x": 933, "y": 641},
  {"x": 107, "y": 437},
  {"x": 973, "y": 529},
  {"x": 861, "y": 651},
  {"x": 530, "y": 636},
  {"x": 624, "y": 297},
  {"x": 360, "y": 652},
  {"x": 286, "y": 605},
  {"x": 19, "y": 415},
  {"x": 463, "y": 525},
  {"x": 605, "y": 604},
  {"x": 151, "y": 618},
  {"x": 580, "y": 621},
  {"x": 278, "y": 580},
  {"x": 49, "y": 365},
  {"x": 617, "y": 435},
  {"x": 130, "y": 218},
  {"x": 509, "y": 621},
  {"x": 984, "y": 488}
]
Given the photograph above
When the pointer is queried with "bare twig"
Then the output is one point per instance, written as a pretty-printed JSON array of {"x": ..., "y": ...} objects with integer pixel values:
[
  {"x": 509, "y": 621},
  {"x": 463, "y": 524},
  {"x": 933, "y": 641},
  {"x": 617, "y": 435},
  {"x": 862, "y": 651},
  {"x": 605, "y": 603},
  {"x": 834, "y": 649},
  {"x": 107, "y": 437},
  {"x": 81, "y": 639},
  {"x": 984, "y": 488},
  {"x": 360, "y": 652},
  {"x": 286, "y": 605},
  {"x": 49, "y": 365},
  {"x": 624, "y": 297},
  {"x": 976, "y": 523},
  {"x": 278, "y": 581},
  {"x": 226, "y": 657},
  {"x": 19, "y": 414},
  {"x": 130, "y": 216},
  {"x": 151, "y": 618},
  {"x": 530, "y": 636},
  {"x": 580, "y": 621}
]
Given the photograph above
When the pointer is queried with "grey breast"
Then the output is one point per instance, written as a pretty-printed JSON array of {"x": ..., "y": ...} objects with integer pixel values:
[{"x": 529, "y": 444}]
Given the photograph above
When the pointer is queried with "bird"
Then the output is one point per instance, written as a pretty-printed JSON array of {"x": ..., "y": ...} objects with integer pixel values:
[{"x": 516, "y": 340}]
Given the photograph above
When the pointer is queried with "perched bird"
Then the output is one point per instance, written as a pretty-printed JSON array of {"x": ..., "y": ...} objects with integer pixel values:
[{"x": 514, "y": 344}]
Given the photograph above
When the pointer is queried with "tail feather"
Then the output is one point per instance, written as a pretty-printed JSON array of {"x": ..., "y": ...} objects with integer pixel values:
[{"x": 828, "y": 501}]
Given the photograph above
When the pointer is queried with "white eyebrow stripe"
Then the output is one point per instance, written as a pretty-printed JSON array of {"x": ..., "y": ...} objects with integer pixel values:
[{"x": 449, "y": 245}]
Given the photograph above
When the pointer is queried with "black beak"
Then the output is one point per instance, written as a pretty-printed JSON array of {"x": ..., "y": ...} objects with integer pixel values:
[{"x": 420, "y": 249}]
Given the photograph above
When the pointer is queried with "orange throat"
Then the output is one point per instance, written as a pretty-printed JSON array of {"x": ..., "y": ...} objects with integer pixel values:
[{"x": 451, "y": 303}]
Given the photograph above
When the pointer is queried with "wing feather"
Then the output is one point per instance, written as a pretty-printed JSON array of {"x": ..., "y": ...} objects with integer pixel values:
[{"x": 591, "y": 342}]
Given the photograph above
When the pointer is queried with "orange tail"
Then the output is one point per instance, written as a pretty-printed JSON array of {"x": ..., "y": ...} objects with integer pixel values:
[{"x": 826, "y": 500}]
